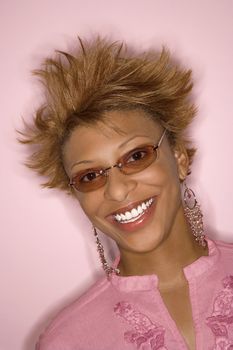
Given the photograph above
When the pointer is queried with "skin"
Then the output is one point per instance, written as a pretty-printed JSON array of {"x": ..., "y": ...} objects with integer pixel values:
[{"x": 163, "y": 245}]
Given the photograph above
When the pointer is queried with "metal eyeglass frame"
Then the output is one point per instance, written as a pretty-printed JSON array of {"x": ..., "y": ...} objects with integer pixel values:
[{"x": 104, "y": 172}]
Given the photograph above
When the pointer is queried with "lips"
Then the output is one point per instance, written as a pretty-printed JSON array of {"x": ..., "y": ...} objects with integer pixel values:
[
  {"x": 133, "y": 216},
  {"x": 135, "y": 213}
]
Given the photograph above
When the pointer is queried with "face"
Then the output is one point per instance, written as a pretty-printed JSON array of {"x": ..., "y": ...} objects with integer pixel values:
[{"x": 137, "y": 210}]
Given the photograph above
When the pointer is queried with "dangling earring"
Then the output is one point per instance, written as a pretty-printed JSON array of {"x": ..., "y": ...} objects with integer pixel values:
[
  {"x": 107, "y": 269},
  {"x": 194, "y": 215}
]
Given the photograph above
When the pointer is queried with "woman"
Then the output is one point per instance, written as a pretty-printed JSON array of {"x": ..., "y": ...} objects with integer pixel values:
[{"x": 111, "y": 133}]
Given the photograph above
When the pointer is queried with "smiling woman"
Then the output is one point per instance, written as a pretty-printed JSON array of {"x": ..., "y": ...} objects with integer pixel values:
[{"x": 111, "y": 134}]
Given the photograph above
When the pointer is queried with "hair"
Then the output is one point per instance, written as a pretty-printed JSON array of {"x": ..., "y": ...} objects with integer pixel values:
[{"x": 81, "y": 87}]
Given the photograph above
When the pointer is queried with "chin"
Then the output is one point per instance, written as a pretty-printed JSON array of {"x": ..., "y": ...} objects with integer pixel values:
[{"x": 145, "y": 242}]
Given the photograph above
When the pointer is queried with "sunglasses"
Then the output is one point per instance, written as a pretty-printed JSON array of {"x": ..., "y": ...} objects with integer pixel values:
[{"x": 130, "y": 163}]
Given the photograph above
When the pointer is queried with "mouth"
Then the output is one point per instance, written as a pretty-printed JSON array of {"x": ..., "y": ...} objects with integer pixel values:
[{"x": 133, "y": 216}]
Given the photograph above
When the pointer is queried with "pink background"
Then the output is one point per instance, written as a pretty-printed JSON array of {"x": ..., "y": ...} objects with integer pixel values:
[{"x": 47, "y": 255}]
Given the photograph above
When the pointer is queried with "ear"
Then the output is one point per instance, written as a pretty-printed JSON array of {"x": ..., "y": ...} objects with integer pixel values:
[{"x": 182, "y": 161}]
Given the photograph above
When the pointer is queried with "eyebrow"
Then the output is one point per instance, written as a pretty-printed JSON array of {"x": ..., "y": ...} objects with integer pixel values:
[{"x": 121, "y": 145}]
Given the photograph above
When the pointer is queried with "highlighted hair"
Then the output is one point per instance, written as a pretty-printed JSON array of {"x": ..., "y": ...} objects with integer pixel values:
[{"x": 102, "y": 76}]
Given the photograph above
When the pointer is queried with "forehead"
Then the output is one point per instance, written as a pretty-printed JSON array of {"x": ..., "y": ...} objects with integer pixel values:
[{"x": 115, "y": 128}]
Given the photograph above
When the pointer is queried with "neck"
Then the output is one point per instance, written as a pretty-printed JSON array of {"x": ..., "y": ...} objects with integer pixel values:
[{"x": 167, "y": 260}]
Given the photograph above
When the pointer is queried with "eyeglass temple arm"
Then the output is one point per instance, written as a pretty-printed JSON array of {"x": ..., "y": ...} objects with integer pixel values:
[{"x": 162, "y": 137}]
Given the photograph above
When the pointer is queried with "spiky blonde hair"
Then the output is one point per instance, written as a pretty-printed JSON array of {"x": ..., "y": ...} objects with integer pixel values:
[{"x": 102, "y": 76}]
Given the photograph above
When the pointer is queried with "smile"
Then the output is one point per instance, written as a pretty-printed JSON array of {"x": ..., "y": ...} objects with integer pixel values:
[{"x": 135, "y": 213}]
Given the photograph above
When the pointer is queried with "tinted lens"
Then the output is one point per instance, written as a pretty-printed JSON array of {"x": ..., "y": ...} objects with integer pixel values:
[
  {"x": 88, "y": 181},
  {"x": 132, "y": 162},
  {"x": 138, "y": 159}
]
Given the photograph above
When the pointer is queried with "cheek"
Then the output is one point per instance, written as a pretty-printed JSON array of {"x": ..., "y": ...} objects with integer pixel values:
[
  {"x": 164, "y": 181},
  {"x": 161, "y": 175}
]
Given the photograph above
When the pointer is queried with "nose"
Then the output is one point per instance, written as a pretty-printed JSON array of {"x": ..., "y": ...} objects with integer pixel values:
[{"x": 118, "y": 185}]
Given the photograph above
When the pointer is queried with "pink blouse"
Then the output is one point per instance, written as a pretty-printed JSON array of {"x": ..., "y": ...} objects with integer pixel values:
[{"x": 129, "y": 313}]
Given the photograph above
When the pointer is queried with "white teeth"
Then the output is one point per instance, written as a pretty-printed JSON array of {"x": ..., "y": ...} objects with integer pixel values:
[
  {"x": 123, "y": 217},
  {"x": 134, "y": 214},
  {"x": 128, "y": 215},
  {"x": 139, "y": 209},
  {"x": 118, "y": 217},
  {"x": 143, "y": 206}
]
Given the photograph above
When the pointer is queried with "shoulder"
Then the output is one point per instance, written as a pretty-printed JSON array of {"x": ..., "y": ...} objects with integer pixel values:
[
  {"x": 74, "y": 320},
  {"x": 225, "y": 254},
  {"x": 224, "y": 247}
]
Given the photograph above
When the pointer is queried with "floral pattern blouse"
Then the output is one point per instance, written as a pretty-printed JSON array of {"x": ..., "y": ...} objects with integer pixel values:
[{"x": 129, "y": 313}]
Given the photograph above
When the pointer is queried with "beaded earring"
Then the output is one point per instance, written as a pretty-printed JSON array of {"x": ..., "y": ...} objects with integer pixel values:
[
  {"x": 107, "y": 269},
  {"x": 194, "y": 215}
]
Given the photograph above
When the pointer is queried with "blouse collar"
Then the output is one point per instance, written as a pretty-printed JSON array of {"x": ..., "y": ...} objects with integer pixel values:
[{"x": 149, "y": 282}]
